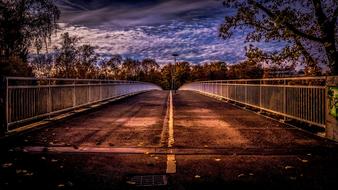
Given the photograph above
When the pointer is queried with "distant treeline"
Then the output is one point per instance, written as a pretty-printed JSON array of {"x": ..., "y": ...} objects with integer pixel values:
[{"x": 70, "y": 60}]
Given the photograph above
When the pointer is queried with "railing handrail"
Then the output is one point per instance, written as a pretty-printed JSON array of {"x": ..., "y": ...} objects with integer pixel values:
[
  {"x": 72, "y": 79},
  {"x": 268, "y": 79}
]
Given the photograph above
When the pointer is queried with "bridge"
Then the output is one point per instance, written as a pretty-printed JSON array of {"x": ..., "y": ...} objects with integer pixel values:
[{"x": 100, "y": 134}]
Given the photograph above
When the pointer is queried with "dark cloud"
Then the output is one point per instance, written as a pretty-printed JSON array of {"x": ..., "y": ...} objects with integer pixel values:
[{"x": 130, "y": 12}]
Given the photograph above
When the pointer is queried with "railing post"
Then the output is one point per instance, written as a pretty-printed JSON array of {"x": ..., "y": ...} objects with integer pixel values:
[
  {"x": 221, "y": 88},
  {"x": 88, "y": 96},
  {"x": 331, "y": 108},
  {"x": 74, "y": 94},
  {"x": 246, "y": 92},
  {"x": 284, "y": 99},
  {"x": 100, "y": 90},
  {"x": 49, "y": 100},
  {"x": 3, "y": 105},
  {"x": 7, "y": 105},
  {"x": 228, "y": 97},
  {"x": 260, "y": 96}
]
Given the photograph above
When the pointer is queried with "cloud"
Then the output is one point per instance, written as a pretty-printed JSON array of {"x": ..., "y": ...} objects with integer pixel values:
[{"x": 154, "y": 29}]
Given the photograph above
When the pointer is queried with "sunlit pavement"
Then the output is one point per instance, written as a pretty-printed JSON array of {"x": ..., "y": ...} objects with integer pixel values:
[{"x": 125, "y": 145}]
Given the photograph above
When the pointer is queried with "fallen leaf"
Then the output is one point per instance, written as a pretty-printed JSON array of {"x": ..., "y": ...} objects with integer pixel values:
[
  {"x": 217, "y": 159},
  {"x": 61, "y": 185},
  {"x": 21, "y": 171},
  {"x": 29, "y": 174},
  {"x": 305, "y": 161},
  {"x": 7, "y": 165},
  {"x": 131, "y": 182},
  {"x": 289, "y": 167}
]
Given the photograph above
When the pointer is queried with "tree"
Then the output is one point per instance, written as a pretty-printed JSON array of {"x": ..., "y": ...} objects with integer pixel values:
[
  {"x": 110, "y": 69},
  {"x": 66, "y": 56},
  {"x": 86, "y": 61},
  {"x": 279, "y": 71},
  {"x": 24, "y": 23},
  {"x": 42, "y": 65},
  {"x": 149, "y": 70},
  {"x": 309, "y": 28},
  {"x": 216, "y": 70},
  {"x": 166, "y": 77},
  {"x": 245, "y": 70},
  {"x": 198, "y": 73},
  {"x": 182, "y": 74},
  {"x": 130, "y": 69}
]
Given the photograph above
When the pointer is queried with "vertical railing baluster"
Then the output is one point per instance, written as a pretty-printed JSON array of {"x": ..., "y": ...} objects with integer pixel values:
[
  {"x": 7, "y": 106},
  {"x": 284, "y": 100},
  {"x": 49, "y": 100},
  {"x": 260, "y": 96},
  {"x": 227, "y": 90},
  {"x": 88, "y": 92},
  {"x": 246, "y": 92},
  {"x": 100, "y": 95},
  {"x": 74, "y": 95}
]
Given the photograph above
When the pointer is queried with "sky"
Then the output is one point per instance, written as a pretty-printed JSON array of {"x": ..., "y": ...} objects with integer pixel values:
[{"x": 154, "y": 29}]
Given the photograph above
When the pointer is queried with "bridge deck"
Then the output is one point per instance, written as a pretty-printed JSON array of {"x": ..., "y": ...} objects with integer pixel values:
[{"x": 214, "y": 144}]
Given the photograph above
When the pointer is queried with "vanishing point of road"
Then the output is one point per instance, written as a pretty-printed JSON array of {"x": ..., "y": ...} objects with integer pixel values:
[{"x": 180, "y": 140}]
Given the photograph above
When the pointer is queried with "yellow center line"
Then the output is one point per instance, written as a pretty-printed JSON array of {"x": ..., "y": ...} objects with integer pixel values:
[
  {"x": 171, "y": 121},
  {"x": 171, "y": 162}
]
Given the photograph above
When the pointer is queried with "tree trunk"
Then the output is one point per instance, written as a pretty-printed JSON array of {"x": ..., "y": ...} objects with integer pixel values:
[
  {"x": 327, "y": 29},
  {"x": 332, "y": 56}
]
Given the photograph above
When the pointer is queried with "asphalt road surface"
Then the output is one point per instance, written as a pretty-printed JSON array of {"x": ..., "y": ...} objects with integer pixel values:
[{"x": 152, "y": 141}]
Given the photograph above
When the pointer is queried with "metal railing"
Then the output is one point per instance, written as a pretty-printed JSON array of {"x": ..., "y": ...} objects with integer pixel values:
[
  {"x": 31, "y": 98},
  {"x": 302, "y": 99}
]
